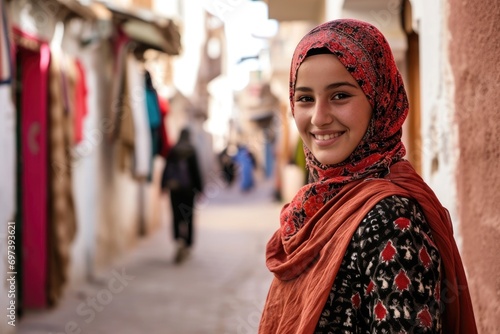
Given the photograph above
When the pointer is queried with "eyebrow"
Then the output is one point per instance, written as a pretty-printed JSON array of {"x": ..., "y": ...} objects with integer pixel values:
[{"x": 330, "y": 86}]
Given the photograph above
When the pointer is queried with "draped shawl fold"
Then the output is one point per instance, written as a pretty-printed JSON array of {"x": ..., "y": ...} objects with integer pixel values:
[
  {"x": 317, "y": 225},
  {"x": 305, "y": 266}
]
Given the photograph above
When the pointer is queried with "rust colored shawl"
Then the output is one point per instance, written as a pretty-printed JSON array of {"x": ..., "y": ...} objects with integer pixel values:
[
  {"x": 305, "y": 266},
  {"x": 317, "y": 225}
]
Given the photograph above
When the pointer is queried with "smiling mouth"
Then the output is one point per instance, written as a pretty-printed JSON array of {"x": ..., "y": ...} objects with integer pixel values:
[{"x": 328, "y": 136}]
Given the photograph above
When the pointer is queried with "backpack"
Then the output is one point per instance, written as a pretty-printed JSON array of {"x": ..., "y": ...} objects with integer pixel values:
[{"x": 176, "y": 175}]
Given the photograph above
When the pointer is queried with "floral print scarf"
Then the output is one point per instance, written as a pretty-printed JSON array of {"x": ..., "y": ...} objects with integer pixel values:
[{"x": 366, "y": 54}]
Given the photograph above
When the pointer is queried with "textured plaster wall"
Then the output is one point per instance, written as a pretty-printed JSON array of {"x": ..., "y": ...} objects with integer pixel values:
[{"x": 474, "y": 55}]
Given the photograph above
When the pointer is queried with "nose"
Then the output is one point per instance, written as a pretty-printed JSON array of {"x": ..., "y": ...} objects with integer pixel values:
[{"x": 322, "y": 114}]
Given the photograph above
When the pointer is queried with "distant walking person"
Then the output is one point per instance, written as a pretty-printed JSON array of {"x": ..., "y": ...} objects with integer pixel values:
[
  {"x": 182, "y": 178},
  {"x": 246, "y": 164}
]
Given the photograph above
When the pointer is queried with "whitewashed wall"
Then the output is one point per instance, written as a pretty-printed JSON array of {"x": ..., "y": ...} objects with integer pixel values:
[
  {"x": 439, "y": 132},
  {"x": 87, "y": 171},
  {"x": 7, "y": 200},
  {"x": 190, "y": 17}
]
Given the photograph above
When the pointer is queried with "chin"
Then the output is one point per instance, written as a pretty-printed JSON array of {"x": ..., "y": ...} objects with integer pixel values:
[
  {"x": 329, "y": 160},
  {"x": 331, "y": 157}
]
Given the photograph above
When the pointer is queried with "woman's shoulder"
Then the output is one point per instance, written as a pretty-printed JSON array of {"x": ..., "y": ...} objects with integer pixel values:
[
  {"x": 395, "y": 234},
  {"x": 393, "y": 217},
  {"x": 395, "y": 206}
]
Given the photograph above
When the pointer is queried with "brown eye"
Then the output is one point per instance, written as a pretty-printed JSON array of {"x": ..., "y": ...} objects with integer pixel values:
[
  {"x": 304, "y": 99},
  {"x": 341, "y": 96}
]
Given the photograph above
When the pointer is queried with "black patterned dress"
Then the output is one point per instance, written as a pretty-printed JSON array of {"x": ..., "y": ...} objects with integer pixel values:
[{"x": 390, "y": 277}]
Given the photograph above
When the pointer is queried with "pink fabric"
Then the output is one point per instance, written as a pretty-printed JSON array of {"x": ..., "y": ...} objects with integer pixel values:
[
  {"x": 80, "y": 102},
  {"x": 33, "y": 114},
  {"x": 165, "y": 143}
]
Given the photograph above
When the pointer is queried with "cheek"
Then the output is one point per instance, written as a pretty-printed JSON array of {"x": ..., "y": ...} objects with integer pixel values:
[
  {"x": 368, "y": 116},
  {"x": 300, "y": 122}
]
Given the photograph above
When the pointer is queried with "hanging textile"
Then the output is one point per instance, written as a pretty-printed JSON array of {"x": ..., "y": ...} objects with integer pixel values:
[
  {"x": 165, "y": 145},
  {"x": 155, "y": 119},
  {"x": 121, "y": 114},
  {"x": 118, "y": 103},
  {"x": 137, "y": 99},
  {"x": 154, "y": 115},
  {"x": 124, "y": 126},
  {"x": 80, "y": 102},
  {"x": 33, "y": 59},
  {"x": 5, "y": 52},
  {"x": 62, "y": 218}
]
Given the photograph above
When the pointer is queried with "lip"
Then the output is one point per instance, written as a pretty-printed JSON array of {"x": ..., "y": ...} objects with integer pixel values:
[{"x": 334, "y": 137}]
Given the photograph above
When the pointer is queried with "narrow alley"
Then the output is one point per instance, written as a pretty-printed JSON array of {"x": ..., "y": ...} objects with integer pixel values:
[
  {"x": 220, "y": 289},
  {"x": 96, "y": 99}
]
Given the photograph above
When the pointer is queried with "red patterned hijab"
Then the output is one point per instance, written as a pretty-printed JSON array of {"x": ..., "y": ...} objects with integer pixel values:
[{"x": 366, "y": 54}]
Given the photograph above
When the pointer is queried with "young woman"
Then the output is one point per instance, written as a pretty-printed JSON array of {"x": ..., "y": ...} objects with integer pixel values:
[{"x": 365, "y": 247}]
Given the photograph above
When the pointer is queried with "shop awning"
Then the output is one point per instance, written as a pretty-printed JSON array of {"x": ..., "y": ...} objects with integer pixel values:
[
  {"x": 296, "y": 10},
  {"x": 149, "y": 30},
  {"x": 75, "y": 8}
]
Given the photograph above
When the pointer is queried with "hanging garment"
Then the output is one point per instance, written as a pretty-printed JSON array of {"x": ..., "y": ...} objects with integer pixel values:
[
  {"x": 122, "y": 130},
  {"x": 5, "y": 55},
  {"x": 137, "y": 99},
  {"x": 125, "y": 128},
  {"x": 165, "y": 145},
  {"x": 33, "y": 161},
  {"x": 62, "y": 219},
  {"x": 80, "y": 102},
  {"x": 118, "y": 103},
  {"x": 154, "y": 114},
  {"x": 154, "y": 117}
]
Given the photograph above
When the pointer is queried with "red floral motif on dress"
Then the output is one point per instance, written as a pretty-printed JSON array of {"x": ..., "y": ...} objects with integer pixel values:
[
  {"x": 437, "y": 292},
  {"x": 402, "y": 223},
  {"x": 388, "y": 252},
  {"x": 356, "y": 301},
  {"x": 389, "y": 264},
  {"x": 402, "y": 281},
  {"x": 369, "y": 288},
  {"x": 424, "y": 317},
  {"x": 380, "y": 311},
  {"x": 424, "y": 257}
]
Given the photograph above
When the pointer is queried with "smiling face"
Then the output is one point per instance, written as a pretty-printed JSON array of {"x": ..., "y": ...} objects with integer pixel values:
[{"x": 331, "y": 111}]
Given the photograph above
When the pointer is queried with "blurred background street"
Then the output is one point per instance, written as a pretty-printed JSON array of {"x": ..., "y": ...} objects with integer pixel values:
[
  {"x": 94, "y": 94},
  {"x": 220, "y": 288}
]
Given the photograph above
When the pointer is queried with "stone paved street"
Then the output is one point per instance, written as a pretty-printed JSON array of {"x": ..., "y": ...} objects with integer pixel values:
[{"x": 220, "y": 289}]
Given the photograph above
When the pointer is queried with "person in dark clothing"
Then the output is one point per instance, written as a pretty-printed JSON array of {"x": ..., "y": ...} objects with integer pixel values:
[
  {"x": 182, "y": 177},
  {"x": 227, "y": 165}
]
